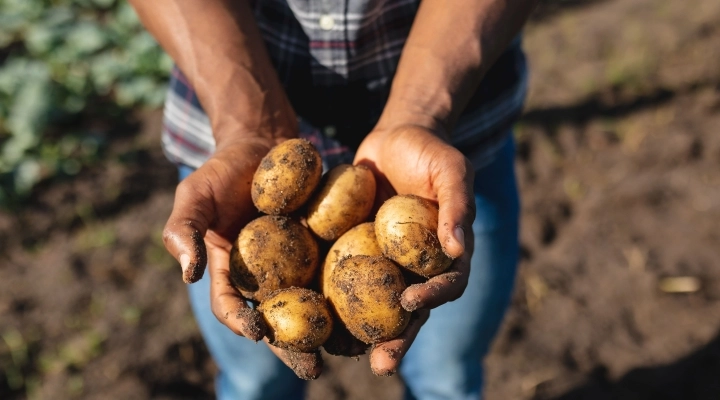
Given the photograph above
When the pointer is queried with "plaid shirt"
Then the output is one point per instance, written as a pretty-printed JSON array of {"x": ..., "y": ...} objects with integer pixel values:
[{"x": 336, "y": 60}]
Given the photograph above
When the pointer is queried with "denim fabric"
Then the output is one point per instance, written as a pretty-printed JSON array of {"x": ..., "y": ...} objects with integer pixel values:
[{"x": 445, "y": 362}]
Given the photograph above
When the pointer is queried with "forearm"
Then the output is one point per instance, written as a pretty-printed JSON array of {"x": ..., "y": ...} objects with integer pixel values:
[
  {"x": 448, "y": 51},
  {"x": 217, "y": 45}
]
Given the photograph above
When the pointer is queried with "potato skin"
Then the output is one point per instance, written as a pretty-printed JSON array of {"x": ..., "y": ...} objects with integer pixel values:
[
  {"x": 271, "y": 253},
  {"x": 298, "y": 319},
  {"x": 286, "y": 177},
  {"x": 406, "y": 230},
  {"x": 358, "y": 241},
  {"x": 345, "y": 199},
  {"x": 365, "y": 294}
]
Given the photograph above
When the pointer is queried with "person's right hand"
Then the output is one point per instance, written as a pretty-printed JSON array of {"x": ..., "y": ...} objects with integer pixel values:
[{"x": 211, "y": 206}]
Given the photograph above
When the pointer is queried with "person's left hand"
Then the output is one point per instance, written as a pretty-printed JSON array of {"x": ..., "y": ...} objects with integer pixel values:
[{"x": 415, "y": 160}]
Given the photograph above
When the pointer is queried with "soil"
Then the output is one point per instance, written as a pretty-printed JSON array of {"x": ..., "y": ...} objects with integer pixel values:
[{"x": 618, "y": 160}]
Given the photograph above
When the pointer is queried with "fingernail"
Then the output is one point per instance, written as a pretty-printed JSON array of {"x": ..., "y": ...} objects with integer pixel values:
[
  {"x": 184, "y": 262},
  {"x": 459, "y": 234},
  {"x": 410, "y": 303},
  {"x": 386, "y": 373}
]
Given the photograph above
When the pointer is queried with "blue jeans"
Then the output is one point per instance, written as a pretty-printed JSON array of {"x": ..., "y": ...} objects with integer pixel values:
[{"x": 445, "y": 362}]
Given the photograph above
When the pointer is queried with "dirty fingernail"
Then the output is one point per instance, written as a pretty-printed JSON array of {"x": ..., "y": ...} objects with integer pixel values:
[
  {"x": 386, "y": 373},
  {"x": 410, "y": 303},
  {"x": 459, "y": 234},
  {"x": 184, "y": 262}
]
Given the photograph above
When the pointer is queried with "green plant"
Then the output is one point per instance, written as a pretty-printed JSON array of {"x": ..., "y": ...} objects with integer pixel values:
[{"x": 57, "y": 57}]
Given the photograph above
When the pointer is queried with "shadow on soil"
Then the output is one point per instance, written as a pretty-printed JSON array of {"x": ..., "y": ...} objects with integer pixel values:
[
  {"x": 609, "y": 104},
  {"x": 696, "y": 377}
]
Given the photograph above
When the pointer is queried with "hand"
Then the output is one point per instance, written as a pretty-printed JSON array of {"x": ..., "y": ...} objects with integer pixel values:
[
  {"x": 415, "y": 160},
  {"x": 211, "y": 206}
]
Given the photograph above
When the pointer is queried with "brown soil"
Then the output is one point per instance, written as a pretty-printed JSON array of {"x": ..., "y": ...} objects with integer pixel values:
[{"x": 619, "y": 168}]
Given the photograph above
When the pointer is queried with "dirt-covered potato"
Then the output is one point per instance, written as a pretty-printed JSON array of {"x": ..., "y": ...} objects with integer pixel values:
[
  {"x": 286, "y": 177},
  {"x": 345, "y": 198},
  {"x": 406, "y": 230},
  {"x": 365, "y": 293},
  {"x": 298, "y": 319},
  {"x": 358, "y": 241},
  {"x": 271, "y": 253}
]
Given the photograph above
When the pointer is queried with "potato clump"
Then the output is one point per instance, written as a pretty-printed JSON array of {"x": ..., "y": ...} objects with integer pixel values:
[
  {"x": 345, "y": 198},
  {"x": 406, "y": 230},
  {"x": 286, "y": 177},
  {"x": 298, "y": 319},
  {"x": 365, "y": 294},
  {"x": 271, "y": 253}
]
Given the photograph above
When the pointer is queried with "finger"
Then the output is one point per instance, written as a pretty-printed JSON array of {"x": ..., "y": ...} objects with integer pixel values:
[
  {"x": 186, "y": 227},
  {"x": 454, "y": 184},
  {"x": 385, "y": 357},
  {"x": 226, "y": 303},
  {"x": 306, "y": 366},
  {"x": 442, "y": 288}
]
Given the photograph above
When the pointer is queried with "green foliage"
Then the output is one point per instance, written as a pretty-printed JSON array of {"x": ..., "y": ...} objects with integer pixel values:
[{"x": 57, "y": 57}]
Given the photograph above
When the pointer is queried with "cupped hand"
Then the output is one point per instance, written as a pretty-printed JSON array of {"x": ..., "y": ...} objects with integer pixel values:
[
  {"x": 211, "y": 206},
  {"x": 415, "y": 160}
]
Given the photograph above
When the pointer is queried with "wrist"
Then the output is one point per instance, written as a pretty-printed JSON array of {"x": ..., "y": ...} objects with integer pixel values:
[
  {"x": 403, "y": 116},
  {"x": 234, "y": 129},
  {"x": 247, "y": 109},
  {"x": 424, "y": 95},
  {"x": 237, "y": 139}
]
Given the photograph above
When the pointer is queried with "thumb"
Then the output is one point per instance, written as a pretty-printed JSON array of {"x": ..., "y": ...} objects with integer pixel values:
[
  {"x": 183, "y": 235},
  {"x": 456, "y": 203}
]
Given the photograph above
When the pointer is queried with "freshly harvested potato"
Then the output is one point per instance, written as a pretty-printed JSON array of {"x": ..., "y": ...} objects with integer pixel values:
[
  {"x": 286, "y": 177},
  {"x": 406, "y": 230},
  {"x": 298, "y": 319},
  {"x": 365, "y": 293},
  {"x": 271, "y": 253},
  {"x": 358, "y": 241},
  {"x": 345, "y": 198}
]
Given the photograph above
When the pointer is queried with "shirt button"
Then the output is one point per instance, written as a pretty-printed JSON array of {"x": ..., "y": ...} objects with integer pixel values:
[
  {"x": 330, "y": 131},
  {"x": 326, "y": 22}
]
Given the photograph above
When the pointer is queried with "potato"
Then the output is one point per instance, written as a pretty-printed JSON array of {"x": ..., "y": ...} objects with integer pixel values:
[
  {"x": 286, "y": 177},
  {"x": 298, "y": 319},
  {"x": 365, "y": 294},
  {"x": 406, "y": 230},
  {"x": 358, "y": 241},
  {"x": 272, "y": 252},
  {"x": 345, "y": 198}
]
